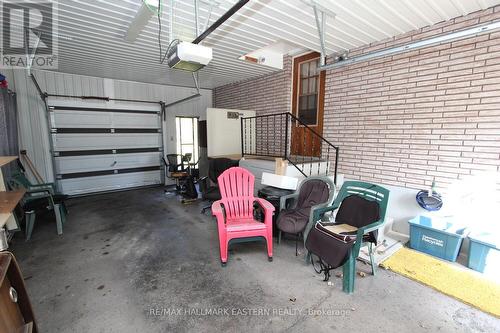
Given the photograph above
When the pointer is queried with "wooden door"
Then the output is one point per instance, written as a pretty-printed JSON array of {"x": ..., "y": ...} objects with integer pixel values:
[{"x": 308, "y": 99}]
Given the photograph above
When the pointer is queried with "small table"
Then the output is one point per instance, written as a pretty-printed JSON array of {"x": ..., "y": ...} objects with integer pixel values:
[
  {"x": 8, "y": 200},
  {"x": 273, "y": 195}
]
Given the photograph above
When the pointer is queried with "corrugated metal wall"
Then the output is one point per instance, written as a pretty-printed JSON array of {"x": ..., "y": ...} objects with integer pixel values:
[{"x": 33, "y": 132}]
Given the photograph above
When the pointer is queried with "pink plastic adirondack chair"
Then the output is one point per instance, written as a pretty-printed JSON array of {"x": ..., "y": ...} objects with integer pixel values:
[{"x": 234, "y": 211}]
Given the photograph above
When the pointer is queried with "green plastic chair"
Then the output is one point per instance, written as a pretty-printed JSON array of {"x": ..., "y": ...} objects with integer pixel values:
[
  {"x": 38, "y": 192},
  {"x": 369, "y": 192},
  {"x": 20, "y": 180}
]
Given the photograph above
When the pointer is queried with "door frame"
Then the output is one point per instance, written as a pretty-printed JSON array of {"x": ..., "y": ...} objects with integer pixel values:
[
  {"x": 196, "y": 147},
  {"x": 318, "y": 128}
]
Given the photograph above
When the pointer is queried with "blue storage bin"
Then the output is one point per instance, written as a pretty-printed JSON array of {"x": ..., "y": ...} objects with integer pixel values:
[
  {"x": 484, "y": 251},
  {"x": 439, "y": 237}
]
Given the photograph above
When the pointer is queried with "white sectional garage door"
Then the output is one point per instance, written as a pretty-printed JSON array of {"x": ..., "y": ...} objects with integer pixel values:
[{"x": 105, "y": 149}]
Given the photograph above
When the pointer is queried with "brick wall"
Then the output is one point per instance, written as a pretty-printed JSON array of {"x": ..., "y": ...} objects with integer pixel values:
[
  {"x": 266, "y": 94},
  {"x": 407, "y": 119}
]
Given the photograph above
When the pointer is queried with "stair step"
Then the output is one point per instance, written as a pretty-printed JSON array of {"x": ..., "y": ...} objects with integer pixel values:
[
  {"x": 305, "y": 159},
  {"x": 258, "y": 157}
]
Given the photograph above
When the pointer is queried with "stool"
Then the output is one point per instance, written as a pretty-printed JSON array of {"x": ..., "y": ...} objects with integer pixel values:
[{"x": 180, "y": 177}]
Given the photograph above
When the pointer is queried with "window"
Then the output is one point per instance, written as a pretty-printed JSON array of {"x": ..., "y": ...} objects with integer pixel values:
[
  {"x": 308, "y": 92},
  {"x": 187, "y": 137}
]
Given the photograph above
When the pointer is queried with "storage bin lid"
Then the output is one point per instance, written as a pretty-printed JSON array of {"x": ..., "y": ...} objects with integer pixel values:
[
  {"x": 487, "y": 238},
  {"x": 445, "y": 225}
]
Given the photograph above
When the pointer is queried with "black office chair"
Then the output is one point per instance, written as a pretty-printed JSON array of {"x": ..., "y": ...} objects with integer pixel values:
[
  {"x": 190, "y": 167},
  {"x": 208, "y": 185},
  {"x": 189, "y": 190},
  {"x": 175, "y": 170},
  {"x": 175, "y": 163}
]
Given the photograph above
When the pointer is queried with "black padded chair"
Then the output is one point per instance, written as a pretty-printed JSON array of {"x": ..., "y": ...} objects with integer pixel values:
[
  {"x": 175, "y": 163},
  {"x": 312, "y": 193},
  {"x": 208, "y": 185}
]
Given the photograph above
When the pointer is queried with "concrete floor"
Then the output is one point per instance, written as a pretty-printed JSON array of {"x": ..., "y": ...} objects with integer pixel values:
[{"x": 138, "y": 261}]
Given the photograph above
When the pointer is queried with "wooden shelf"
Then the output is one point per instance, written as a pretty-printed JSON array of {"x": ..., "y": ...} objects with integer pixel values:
[
  {"x": 6, "y": 159},
  {"x": 5, "y": 259},
  {"x": 9, "y": 200},
  {"x": 14, "y": 316}
]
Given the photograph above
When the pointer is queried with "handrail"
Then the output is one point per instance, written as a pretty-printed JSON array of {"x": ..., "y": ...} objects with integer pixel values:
[
  {"x": 296, "y": 119},
  {"x": 297, "y": 167},
  {"x": 305, "y": 125},
  {"x": 267, "y": 115},
  {"x": 265, "y": 146}
]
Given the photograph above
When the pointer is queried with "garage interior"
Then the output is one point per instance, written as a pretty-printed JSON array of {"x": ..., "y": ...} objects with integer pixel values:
[{"x": 252, "y": 165}]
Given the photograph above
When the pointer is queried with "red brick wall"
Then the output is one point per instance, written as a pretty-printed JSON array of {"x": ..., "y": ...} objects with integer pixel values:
[{"x": 407, "y": 119}]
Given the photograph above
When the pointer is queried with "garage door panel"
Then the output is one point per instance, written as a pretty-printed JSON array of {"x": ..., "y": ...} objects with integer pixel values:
[
  {"x": 87, "y": 163},
  {"x": 77, "y": 141},
  {"x": 105, "y": 149},
  {"x": 95, "y": 119},
  {"x": 81, "y": 119},
  {"x": 132, "y": 120},
  {"x": 75, "y": 186}
]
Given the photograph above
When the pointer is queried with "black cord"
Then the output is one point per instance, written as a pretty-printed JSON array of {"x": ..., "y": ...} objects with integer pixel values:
[
  {"x": 163, "y": 56},
  {"x": 159, "y": 28},
  {"x": 168, "y": 50}
]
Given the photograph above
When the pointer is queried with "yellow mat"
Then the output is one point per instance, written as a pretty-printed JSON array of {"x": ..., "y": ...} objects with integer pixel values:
[{"x": 465, "y": 285}]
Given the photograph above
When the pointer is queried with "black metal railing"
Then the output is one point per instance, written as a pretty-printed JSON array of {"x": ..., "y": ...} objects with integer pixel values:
[{"x": 282, "y": 135}]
